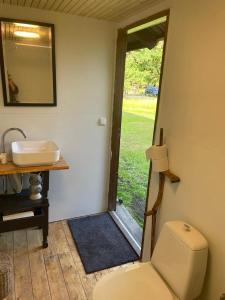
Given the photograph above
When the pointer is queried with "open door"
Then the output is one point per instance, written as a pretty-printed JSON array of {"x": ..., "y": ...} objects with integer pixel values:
[{"x": 139, "y": 68}]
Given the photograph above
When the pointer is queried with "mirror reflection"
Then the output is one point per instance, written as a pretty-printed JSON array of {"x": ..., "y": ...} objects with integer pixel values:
[{"x": 27, "y": 63}]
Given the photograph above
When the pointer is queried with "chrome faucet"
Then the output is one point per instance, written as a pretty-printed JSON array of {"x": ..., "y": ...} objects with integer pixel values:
[{"x": 7, "y": 131}]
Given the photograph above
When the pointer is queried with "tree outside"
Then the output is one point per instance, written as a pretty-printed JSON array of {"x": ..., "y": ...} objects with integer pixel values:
[{"x": 142, "y": 69}]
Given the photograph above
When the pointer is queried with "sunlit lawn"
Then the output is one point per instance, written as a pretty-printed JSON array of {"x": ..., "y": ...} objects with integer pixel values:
[{"x": 136, "y": 136}]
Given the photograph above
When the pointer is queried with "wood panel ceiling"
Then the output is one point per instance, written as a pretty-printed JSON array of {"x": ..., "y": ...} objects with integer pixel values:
[{"x": 110, "y": 10}]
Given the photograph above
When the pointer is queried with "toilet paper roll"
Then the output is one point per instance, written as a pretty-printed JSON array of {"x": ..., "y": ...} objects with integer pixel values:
[
  {"x": 160, "y": 165},
  {"x": 157, "y": 152}
]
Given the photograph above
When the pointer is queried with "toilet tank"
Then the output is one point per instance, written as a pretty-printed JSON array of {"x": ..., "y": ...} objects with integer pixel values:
[{"x": 180, "y": 257}]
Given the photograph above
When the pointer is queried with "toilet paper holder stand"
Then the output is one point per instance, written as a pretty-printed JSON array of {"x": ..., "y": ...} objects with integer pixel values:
[{"x": 153, "y": 212}]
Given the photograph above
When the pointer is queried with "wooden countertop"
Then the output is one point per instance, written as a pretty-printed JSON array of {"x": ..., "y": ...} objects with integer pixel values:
[{"x": 10, "y": 168}]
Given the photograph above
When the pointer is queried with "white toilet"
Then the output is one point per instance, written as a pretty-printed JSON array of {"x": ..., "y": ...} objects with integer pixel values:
[{"x": 176, "y": 271}]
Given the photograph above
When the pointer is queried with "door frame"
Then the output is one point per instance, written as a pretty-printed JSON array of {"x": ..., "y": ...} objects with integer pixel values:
[{"x": 117, "y": 108}]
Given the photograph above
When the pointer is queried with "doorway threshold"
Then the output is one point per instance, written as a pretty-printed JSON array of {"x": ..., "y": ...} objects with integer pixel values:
[{"x": 130, "y": 228}]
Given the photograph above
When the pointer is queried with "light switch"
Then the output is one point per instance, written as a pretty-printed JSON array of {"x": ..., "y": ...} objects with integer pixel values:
[{"x": 102, "y": 121}]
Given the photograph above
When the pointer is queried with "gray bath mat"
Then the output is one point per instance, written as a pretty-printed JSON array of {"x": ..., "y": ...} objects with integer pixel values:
[{"x": 100, "y": 242}]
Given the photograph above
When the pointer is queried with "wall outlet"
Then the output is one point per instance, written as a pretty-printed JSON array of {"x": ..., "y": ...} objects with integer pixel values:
[{"x": 102, "y": 121}]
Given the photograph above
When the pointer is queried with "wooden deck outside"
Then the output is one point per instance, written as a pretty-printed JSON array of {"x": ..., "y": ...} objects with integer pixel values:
[{"x": 53, "y": 273}]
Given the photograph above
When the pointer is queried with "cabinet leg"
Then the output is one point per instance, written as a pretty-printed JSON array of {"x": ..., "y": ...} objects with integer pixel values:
[
  {"x": 45, "y": 237},
  {"x": 45, "y": 244},
  {"x": 45, "y": 229}
]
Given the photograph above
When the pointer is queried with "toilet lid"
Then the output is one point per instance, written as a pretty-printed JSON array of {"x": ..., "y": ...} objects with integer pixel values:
[{"x": 139, "y": 281}]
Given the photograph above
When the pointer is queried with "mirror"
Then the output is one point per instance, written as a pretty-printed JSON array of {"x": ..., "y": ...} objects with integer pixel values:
[{"x": 27, "y": 58}]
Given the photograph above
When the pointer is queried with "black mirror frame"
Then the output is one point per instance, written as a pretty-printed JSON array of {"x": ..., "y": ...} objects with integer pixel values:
[{"x": 2, "y": 65}]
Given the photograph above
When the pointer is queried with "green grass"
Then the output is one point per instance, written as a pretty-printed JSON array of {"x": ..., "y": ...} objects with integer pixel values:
[{"x": 136, "y": 136}]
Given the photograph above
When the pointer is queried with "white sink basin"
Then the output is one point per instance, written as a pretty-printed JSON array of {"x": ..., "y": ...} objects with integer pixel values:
[{"x": 35, "y": 153}]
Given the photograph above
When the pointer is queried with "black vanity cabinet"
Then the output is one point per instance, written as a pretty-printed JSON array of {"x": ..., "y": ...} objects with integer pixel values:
[{"x": 17, "y": 203}]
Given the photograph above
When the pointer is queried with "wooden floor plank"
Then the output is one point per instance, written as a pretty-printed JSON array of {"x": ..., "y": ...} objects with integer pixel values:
[
  {"x": 6, "y": 243},
  {"x": 55, "y": 278},
  {"x": 37, "y": 265},
  {"x": 55, "y": 273},
  {"x": 88, "y": 280},
  {"x": 23, "y": 282},
  {"x": 71, "y": 277},
  {"x": 6, "y": 246},
  {"x": 68, "y": 234},
  {"x": 57, "y": 242},
  {"x": 61, "y": 244}
]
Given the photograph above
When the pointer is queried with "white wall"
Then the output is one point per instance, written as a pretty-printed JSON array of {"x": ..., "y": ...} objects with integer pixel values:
[
  {"x": 192, "y": 114},
  {"x": 85, "y": 63}
]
